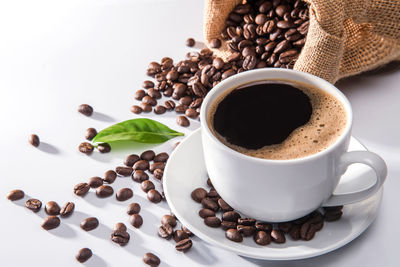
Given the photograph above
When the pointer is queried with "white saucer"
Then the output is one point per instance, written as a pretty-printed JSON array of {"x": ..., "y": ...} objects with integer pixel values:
[{"x": 186, "y": 171}]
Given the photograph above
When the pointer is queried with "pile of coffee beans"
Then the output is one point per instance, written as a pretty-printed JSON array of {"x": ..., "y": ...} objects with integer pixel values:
[{"x": 263, "y": 233}]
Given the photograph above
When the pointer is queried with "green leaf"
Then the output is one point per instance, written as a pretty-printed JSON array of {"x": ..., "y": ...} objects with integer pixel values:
[{"x": 138, "y": 130}]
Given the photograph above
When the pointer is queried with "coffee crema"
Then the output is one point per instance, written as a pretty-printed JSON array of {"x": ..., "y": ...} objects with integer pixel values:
[{"x": 277, "y": 119}]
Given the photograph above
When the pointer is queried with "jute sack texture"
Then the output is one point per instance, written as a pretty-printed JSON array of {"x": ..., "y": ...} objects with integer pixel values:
[{"x": 345, "y": 37}]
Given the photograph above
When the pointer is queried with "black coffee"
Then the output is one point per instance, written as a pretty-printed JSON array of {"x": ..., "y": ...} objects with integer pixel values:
[{"x": 259, "y": 115}]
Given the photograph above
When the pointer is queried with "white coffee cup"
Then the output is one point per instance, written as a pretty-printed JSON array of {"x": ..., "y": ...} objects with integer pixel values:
[{"x": 283, "y": 190}]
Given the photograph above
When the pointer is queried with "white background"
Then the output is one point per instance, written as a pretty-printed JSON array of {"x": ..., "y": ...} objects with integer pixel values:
[{"x": 55, "y": 55}]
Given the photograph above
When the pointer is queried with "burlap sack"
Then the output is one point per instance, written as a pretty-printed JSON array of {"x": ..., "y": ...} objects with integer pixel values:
[{"x": 345, "y": 37}]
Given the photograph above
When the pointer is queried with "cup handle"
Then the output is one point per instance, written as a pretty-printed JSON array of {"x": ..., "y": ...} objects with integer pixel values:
[{"x": 366, "y": 157}]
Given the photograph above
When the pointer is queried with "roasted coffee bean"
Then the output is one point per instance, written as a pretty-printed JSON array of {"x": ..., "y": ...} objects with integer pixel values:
[
  {"x": 187, "y": 231},
  {"x": 159, "y": 110},
  {"x": 67, "y": 209},
  {"x": 148, "y": 84},
  {"x": 249, "y": 62},
  {"x": 90, "y": 133},
  {"x": 146, "y": 107},
  {"x": 209, "y": 183},
  {"x": 302, "y": 219},
  {"x": 95, "y": 182},
  {"x": 284, "y": 24},
  {"x": 199, "y": 89},
  {"x": 86, "y": 148},
  {"x": 213, "y": 194},
  {"x": 81, "y": 189},
  {"x": 133, "y": 208},
  {"x": 307, "y": 231},
  {"x": 131, "y": 159},
  {"x": 34, "y": 140},
  {"x": 149, "y": 100},
  {"x": 140, "y": 94},
  {"x": 204, "y": 213},
  {"x": 124, "y": 170},
  {"x": 318, "y": 226},
  {"x": 190, "y": 42},
  {"x": 89, "y": 224},
  {"x": 262, "y": 238},
  {"x": 265, "y": 7},
  {"x": 208, "y": 203},
  {"x": 180, "y": 235},
  {"x": 154, "y": 93},
  {"x": 278, "y": 236},
  {"x": 295, "y": 232},
  {"x": 183, "y": 245},
  {"x": 158, "y": 174},
  {"x": 154, "y": 196},
  {"x": 83, "y": 255},
  {"x": 110, "y": 176},
  {"x": 212, "y": 221},
  {"x": 246, "y": 221},
  {"x": 147, "y": 185},
  {"x": 234, "y": 235},
  {"x": 168, "y": 219},
  {"x": 165, "y": 231},
  {"x": 333, "y": 215},
  {"x": 246, "y": 230},
  {"x": 169, "y": 104},
  {"x": 333, "y": 208},
  {"x": 181, "y": 108},
  {"x": 285, "y": 227},
  {"x": 16, "y": 194},
  {"x": 215, "y": 43},
  {"x": 141, "y": 165},
  {"x": 288, "y": 56},
  {"x": 196, "y": 103},
  {"x": 161, "y": 157},
  {"x": 33, "y": 204},
  {"x": 282, "y": 46},
  {"x": 191, "y": 113},
  {"x": 151, "y": 260},
  {"x": 185, "y": 100},
  {"x": 120, "y": 237},
  {"x": 85, "y": 109},
  {"x": 140, "y": 176},
  {"x": 267, "y": 227},
  {"x": 225, "y": 225},
  {"x": 124, "y": 194},
  {"x": 104, "y": 148},
  {"x": 315, "y": 217},
  {"x": 223, "y": 205},
  {"x": 104, "y": 191},
  {"x": 136, "y": 220},
  {"x": 153, "y": 68},
  {"x": 148, "y": 155},
  {"x": 230, "y": 216},
  {"x": 120, "y": 227},
  {"x": 50, "y": 222},
  {"x": 52, "y": 208},
  {"x": 172, "y": 75},
  {"x": 157, "y": 165}
]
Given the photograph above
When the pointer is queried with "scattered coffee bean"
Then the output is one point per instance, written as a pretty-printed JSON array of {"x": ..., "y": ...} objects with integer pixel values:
[
  {"x": 85, "y": 109},
  {"x": 140, "y": 176},
  {"x": 133, "y": 208},
  {"x": 154, "y": 196},
  {"x": 262, "y": 238},
  {"x": 131, "y": 159},
  {"x": 83, "y": 255},
  {"x": 285, "y": 227},
  {"x": 208, "y": 203},
  {"x": 157, "y": 165},
  {"x": 230, "y": 216},
  {"x": 52, "y": 208},
  {"x": 186, "y": 230},
  {"x": 148, "y": 155},
  {"x": 90, "y": 133},
  {"x": 16, "y": 194},
  {"x": 199, "y": 194},
  {"x": 104, "y": 147},
  {"x": 120, "y": 237},
  {"x": 95, "y": 182},
  {"x": 223, "y": 205},
  {"x": 158, "y": 174},
  {"x": 165, "y": 231},
  {"x": 104, "y": 191},
  {"x": 67, "y": 209},
  {"x": 34, "y": 140},
  {"x": 50, "y": 222},
  {"x": 212, "y": 221},
  {"x": 209, "y": 183},
  {"x": 151, "y": 260},
  {"x": 307, "y": 231},
  {"x": 191, "y": 113},
  {"x": 161, "y": 157},
  {"x": 89, "y": 224},
  {"x": 233, "y": 235},
  {"x": 181, "y": 109},
  {"x": 278, "y": 236},
  {"x": 179, "y": 235},
  {"x": 246, "y": 230},
  {"x": 139, "y": 94},
  {"x": 81, "y": 189},
  {"x": 159, "y": 109},
  {"x": 332, "y": 214},
  {"x": 136, "y": 220},
  {"x": 183, "y": 245},
  {"x": 146, "y": 107},
  {"x": 33, "y": 204},
  {"x": 110, "y": 176},
  {"x": 333, "y": 208},
  {"x": 266, "y": 227},
  {"x": 168, "y": 219},
  {"x": 295, "y": 232},
  {"x": 215, "y": 43},
  {"x": 147, "y": 185},
  {"x": 190, "y": 42},
  {"x": 213, "y": 194},
  {"x": 137, "y": 110},
  {"x": 204, "y": 213},
  {"x": 169, "y": 104},
  {"x": 86, "y": 148},
  {"x": 124, "y": 170},
  {"x": 183, "y": 121},
  {"x": 141, "y": 165},
  {"x": 228, "y": 225},
  {"x": 147, "y": 84},
  {"x": 246, "y": 221},
  {"x": 120, "y": 227},
  {"x": 124, "y": 194},
  {"x": 149, "y": 100}
]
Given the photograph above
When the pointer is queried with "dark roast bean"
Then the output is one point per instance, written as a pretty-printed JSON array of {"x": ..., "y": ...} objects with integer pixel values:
[
  {"x": 307, "y": 231},
  {"x": 90, "y": 133},
  {"x": 95, "y": 182},
  {"x": 281, "y": 10},
  {"x": 209, "y": 183},
  {"x": 199, "y": 89},
  {"x": 265, "y": 7},
  {"x": 148, "y": 155},
  {"x": 288, "y": 56},
  {"x": 85, "y": 109},
  {"x": 120, "y": 227},
  {"x": 196, "y": 103},
  {"x": 124, "y": 170},
  {"x": 16, "y": 194},
  {"x": 158, "y": 174},
  {"x": 190, "y": 42},
  {"x": 285, "y": 227},
  {"x": 110, "y": 176},
  {"x": 34, "y": 140},
  {"x": 212, "y": 221},
  {"x": 333, "y": 208},
  {"x": 282, "y": 46},
  {"x": 191, "y": 113},
  {"x": 151, "y": 260},
  {"x": 267, "y": 227},
  {"x": 33, "y": 204},
  {"x": 131, "y": 159},
  {"x": 187, "y": 231},
  {"x": 139, "y": 94},
  {"x": 104, "y": 148},
  {"x": 318, "y": 225},
  {"x": 83, "y": 255},
  {"x": 246, "y": 221},
  {"x": 225, "y": 225},
  {"x": 208, "y": 203},
  {"x": 50, "y": 222},
  {"x": 89, "y": 224},
  {"x": 262, "y": 238},
  {"x": 149, "y": 100},
  {"x": 230, "y": 216},
  {"x": 159, "y": 110},
  {"x": 213, "y": 194},
  {"x": 183, "y": 245},
  {"x": 181, "y": 108},
  {"x": 315, "y": 217},
  {"x": 67, "y": 209},
  {"x": 52, "y": 208},
  {"x": 133, "y": 208},
  {"x": 86, "y": 148},
  {"x": 284, "y": 24},
  {"x": 104, "y": 191},
  {"x": 140, "y": 176},
  {"x": 185, "y": 100},
  {"x": 204, "y": 213},
  {"x": 154, "y": 196},
  {"x": 278, "y": 236},
  {"x": 180, "y": 235},
  {"x": 168, "y": 219},
  {"x": 169, "y": 104},
  {"x": 295, "y": 232},
  {"x": 223, "y": 205},
  {"x": 249, "y": 62},
  {"x": 81, "y": 189},
  {"x": 333, "y": 215},
  {"x": 234, "y": 235},
  {"x": 215, "y": 43},
  {"x": 124, "y": 194},
  {"x": 161, "y": 157},
  {"x": 145, "y": 107},
  {"x": 148, "y": 84},
  {"x": 172, "y": 75},
  {"x": 246, "y": 230},
  {"x": 153, "y": 68},
  {"x": 120, "y": 237},
  {"x": 153, "y": 93},
  {"x": 147, "y": 185},
  {"x": 141, "y": 165},
  {"x": 136, "y": 220},
  {"x": 157, "y": 165},
  {"x": 165, "y": 231}
]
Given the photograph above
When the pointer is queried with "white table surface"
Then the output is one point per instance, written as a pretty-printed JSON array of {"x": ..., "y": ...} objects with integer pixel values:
[{"x": 55, "y": 55}]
